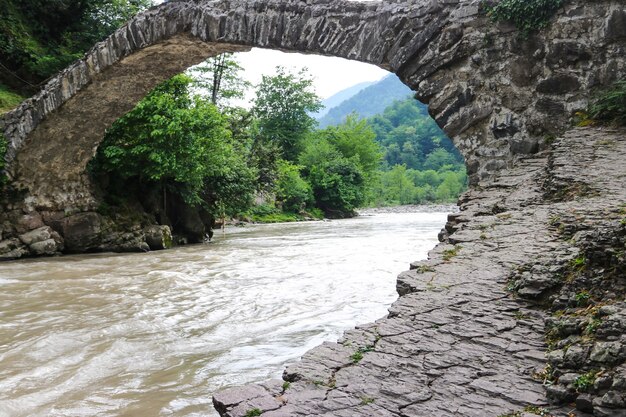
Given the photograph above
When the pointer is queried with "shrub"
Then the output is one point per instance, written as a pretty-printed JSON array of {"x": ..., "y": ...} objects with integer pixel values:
[
  {"x": 527, "y": 15},
  {"x": 291, "y": 190}
]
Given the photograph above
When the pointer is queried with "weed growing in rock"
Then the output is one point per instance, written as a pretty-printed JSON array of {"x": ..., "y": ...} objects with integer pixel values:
[
  {"x": 579, "y": 262},
  {"x": 582, "y": 298},
  {"x": 546, "y": 375},
  {"x": 585, "y": 381},
  {"x": 520, "y": 316},
  {"x": 422, "y": 269},
  {"x": 451, "y": 253},
  {"x": 286, "y": 385},
  {"x": 550, "y": 139},
  {"x": 358, "y": 355},
  {"x": 610, "y": 106},
  {"x": 537, "y": 411},
  {"x": 366, "y": 400},
  {"x": 254, "y": 412},
  {"x": 527, "y": 15},
  {"x": 592, "y": 326}
]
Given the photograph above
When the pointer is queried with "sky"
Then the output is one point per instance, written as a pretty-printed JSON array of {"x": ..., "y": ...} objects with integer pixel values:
[{"x": 330, "y": 74}]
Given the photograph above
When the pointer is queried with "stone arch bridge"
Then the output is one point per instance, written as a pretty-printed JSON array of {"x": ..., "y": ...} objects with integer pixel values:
[
  {"x": 455, "y": 343},
  {"x": 495, "y": 95}
]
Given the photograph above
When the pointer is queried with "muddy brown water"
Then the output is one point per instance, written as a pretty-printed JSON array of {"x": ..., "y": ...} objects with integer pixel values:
[{"x": 156, "y": 334}]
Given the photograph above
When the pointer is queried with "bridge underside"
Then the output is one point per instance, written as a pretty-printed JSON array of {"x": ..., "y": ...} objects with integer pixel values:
[{"x": 53, "y": 168}]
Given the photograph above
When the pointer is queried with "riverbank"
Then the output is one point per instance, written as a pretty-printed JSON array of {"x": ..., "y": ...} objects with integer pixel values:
[
  {"x": 519, "y": 311},
  {"x": 281, "y": 217},
  {"x": 410, "y": 208}
]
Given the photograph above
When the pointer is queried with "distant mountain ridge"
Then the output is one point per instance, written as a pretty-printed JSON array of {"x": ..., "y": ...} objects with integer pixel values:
[
  {"x": 368, "y": 102},
  {"x": 336, "y": 99}
]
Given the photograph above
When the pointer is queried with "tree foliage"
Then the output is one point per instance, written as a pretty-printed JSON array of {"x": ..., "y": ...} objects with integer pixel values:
[
  {"x": 282, "y": 106},
  {"x": 340, "y": 163},
  {"x": 179, "y": 143},
  {"x": 421, "y": 163},
  {"x": 292, "y": 191},
  {"x": 219, "y": 79},
  {"x": 41, "y": 37}
]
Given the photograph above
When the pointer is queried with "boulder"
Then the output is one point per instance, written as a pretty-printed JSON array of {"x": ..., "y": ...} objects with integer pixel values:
[
  {"x": 12, "y": 249},
  {"x": 28, "y": 222},
  {"x": 46, "y": 247},
  {"x": 82, "y": 232},
  {"x": 158, "y": 237},
  {"x": 37, "y": 235}
]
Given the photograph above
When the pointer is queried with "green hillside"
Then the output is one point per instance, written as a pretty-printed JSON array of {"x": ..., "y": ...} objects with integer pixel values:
[{"x": 368, "y": 102}]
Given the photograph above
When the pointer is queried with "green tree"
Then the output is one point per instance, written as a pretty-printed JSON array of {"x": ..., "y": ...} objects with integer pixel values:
[
  {"x": 220, "y": 77},
  {"x": 338, "y": 186},
  {"x": 440, "y": 158},
  {"x": 397, "y": 186},
  {"x": 340, "y": 163},
  {"x": 180, "y": 144},
  {"x": 355, "y": 139},
  {"x": 282, "y": 106},
  {"x": 292, "y": 191}
]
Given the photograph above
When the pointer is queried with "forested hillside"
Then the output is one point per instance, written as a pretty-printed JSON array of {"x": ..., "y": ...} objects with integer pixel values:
[
  {"x": 421, "y": 164},
  {"x": 336, "y": 99},
  {"x": 368, "y": 102}
]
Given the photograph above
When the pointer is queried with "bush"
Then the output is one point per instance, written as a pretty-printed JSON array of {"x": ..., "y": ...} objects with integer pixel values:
[
  {"x": 610, "y": 106},
  {"x": 8, "y": 100},
  {"x": 527, "y": 15},
  {"x": 293, "y": 192},
  {"x": 338, "y": 186}
]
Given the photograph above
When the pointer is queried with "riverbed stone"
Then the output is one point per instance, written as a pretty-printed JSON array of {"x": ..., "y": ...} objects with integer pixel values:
[{"x": 29, "y": 222}]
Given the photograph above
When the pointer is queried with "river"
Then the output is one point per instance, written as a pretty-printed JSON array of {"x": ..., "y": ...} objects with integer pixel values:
[{"x": 156, "y": 334}]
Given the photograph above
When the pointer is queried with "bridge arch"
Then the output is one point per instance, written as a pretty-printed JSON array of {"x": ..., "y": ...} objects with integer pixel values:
[{"x": 496, "y": 95}]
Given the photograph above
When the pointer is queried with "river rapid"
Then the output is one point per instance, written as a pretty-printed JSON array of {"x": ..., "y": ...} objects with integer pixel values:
[{"x": 157, "y": 334}]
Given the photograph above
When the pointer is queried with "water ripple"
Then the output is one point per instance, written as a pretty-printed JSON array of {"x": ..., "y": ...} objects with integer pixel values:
[{"x": 158, "y": 333}]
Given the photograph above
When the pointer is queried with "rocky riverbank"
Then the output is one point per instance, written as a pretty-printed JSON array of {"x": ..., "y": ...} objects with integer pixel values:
[{"x": 518, "y": 312}]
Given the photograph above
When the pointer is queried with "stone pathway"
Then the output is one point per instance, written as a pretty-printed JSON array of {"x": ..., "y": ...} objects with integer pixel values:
[{"x": 457, "y": 342}]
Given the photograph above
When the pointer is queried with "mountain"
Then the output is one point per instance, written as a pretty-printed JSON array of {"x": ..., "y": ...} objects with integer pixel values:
[
  {"x": 369, "y": 101},
  {"x": 340, "y": 97}
]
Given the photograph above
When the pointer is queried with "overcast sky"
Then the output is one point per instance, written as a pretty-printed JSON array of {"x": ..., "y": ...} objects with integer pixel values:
[{"x": 331, "y": 75}]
